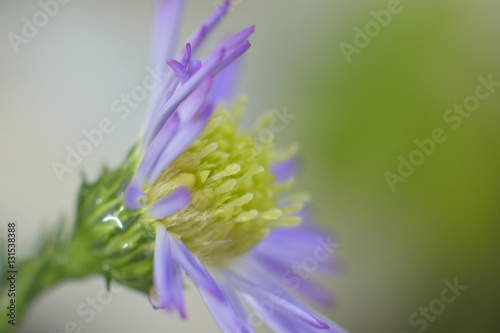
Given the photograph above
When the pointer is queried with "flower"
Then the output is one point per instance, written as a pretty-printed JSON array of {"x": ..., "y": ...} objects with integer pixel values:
[{"x": 213, "y": 195}]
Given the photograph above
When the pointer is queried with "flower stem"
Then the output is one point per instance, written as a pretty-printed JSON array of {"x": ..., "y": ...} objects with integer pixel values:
[{"x": 33, "y": 276}]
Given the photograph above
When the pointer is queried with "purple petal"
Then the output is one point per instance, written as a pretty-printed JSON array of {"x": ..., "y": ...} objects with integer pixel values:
[
  {"x": 225, "y": 313},
  {"x": 155, "y": 149},
  {"x": 178, "y": 290},
  {"x": 286, "y": 254},
  {"x": 163, "y": 269},
  {"x": 284, "y": 170},
  {"x": 179, "y": 70},
  {"x": 182, "y": 140},
  {"x": 283, "y": 269},
  {"x": 213, "y": 64},
  {"x": 207, "y": 26},
  {"x": 279, "y": 322},
  {"x": 134, "y": 196},
  {"x": 161, "y": 95},
  {"x": 171, "y": 105},
  {"x": 167, "y": 276},
  {"x": 333, "y": 327},
  {"x": 238, "y": 38},
  {"x": 170, "y": 204},
  {"x": 195, "y": 101},
  {"x": 186, "y": 57},
  {"x": 233, "y": 54},
  {"x": 238, "y": 307},
  {"x": 168, "y": 15},
  {"x": 195, "y": 269},
  {"x": 294, "y": 245},
  {"x": 232, "y": 41},
  {"x": 229, "y": 44},
  {"x": 225, "y": 83},
  {"x": 194, "y": 65},
  {"x": 262, "y": 291},
  {"x": 276, "y": 321}
]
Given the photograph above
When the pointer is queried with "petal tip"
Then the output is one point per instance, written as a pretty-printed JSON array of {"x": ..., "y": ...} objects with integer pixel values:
[{"x": 134, "y": 197}]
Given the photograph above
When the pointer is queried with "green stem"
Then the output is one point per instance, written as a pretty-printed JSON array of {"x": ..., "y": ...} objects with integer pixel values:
[{"x": 37, "y": 274}]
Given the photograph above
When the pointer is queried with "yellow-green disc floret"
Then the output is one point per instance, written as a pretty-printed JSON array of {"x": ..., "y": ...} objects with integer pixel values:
[{"x": 234, "y": 194}]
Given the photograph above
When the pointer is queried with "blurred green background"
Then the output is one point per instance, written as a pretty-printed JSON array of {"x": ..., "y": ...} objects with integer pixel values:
[{"x": 353, "y": 120}]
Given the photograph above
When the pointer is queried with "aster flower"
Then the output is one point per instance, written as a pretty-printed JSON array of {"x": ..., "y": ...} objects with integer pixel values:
[
  {"x": 215, "y": 197},
  {"x": 201, "y": 199}
]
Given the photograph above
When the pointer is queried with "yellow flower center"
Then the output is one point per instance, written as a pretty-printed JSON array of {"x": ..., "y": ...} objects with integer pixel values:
[{"x": 235, "y": 196}]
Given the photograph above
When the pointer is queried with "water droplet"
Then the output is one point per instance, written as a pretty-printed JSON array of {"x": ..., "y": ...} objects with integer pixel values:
[{"x": 113, "y": 218}]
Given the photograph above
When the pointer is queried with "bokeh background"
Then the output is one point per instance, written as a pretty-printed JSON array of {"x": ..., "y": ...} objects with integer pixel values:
[{"x": 353, "y": 120}]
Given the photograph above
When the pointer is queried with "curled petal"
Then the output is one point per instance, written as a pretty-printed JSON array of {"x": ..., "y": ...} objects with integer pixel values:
[
  {"x": 168, "y": 15},
  {"x": 134, "y": 197},
  {"x": 179, "y": 70},
  {"x": 165, "y": 91},
  {"x": 180, "y": 95}
]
